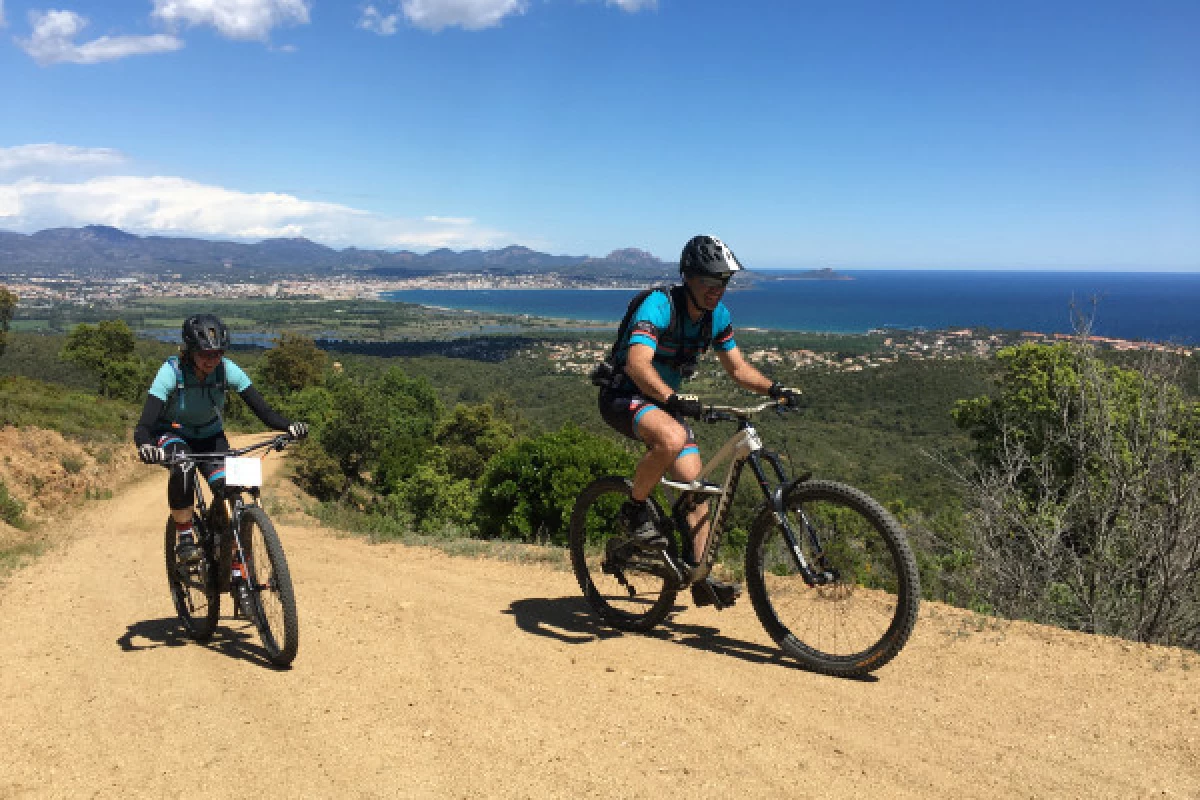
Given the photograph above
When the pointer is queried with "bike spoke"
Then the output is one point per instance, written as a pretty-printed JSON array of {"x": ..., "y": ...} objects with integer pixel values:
[
  {"x": 855, "y": 622},
  {"x": 625, "y": 585}
]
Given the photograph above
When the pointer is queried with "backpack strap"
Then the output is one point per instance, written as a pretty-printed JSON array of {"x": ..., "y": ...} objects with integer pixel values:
[
  {"x": 219, "y": 386},
  {"x": 178, "y": 368},
  {"x": 682, "y": 362},
  {"x": 634, "y": 305}
]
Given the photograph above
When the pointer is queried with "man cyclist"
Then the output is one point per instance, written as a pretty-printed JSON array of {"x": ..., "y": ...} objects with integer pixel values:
[
  {"x": 183, "y": 413},
  {"x": 662, "y": 342}
]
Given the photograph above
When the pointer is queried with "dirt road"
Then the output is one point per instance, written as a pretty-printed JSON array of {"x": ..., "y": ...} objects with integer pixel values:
[{"x": 422, "y": 675}]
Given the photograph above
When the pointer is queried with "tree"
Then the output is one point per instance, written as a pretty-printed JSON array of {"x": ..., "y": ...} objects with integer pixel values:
[
  {"x": 8, "y": 306},
  {"x": 294, "y": 363},
  {"x": 106, "y": 350},
  {"x": 529, "y": 489},
  {"x": 381, "y": 425},
  {"x": 1084, "y": 494},
  {"x": 470, "y": 437}
]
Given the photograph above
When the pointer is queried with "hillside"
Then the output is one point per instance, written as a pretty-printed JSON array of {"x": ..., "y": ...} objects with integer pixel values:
[
  {"x": 425, "y": 675},
  {"x": 99, "y": 250}
]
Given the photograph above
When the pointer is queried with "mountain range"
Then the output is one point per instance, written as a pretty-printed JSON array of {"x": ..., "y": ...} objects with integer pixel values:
[{"x": 101, "y": 250}]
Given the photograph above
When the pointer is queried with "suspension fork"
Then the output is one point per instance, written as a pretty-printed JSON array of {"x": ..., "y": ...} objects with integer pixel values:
[{"x": 774, "y": 496}]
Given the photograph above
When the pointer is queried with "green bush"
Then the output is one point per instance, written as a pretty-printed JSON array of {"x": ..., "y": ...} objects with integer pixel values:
[
  {"x": 529, "y": 489},
  {"x": 11, "y": 508},
  {"x": 434, "y": 498},
  {"x": 76, "y": 414}
]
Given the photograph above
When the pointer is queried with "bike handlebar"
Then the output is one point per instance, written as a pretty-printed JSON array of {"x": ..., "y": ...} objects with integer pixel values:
[
  {"x": 718, "y": 413},
  {"x": 276, "y": 443}
]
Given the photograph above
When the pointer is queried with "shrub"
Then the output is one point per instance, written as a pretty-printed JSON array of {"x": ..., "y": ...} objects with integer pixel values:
[
  {"x": 528, "y": 490},
  {"x": 11, "y": 508}
]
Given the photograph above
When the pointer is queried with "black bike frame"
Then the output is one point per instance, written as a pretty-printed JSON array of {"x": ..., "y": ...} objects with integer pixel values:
[{"x": 231, "y": 494}]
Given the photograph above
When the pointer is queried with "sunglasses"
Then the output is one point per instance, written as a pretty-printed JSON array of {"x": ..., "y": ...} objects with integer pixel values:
[
  {"x": 712, "y": 283},
  {"x": 210, "y": 353}
]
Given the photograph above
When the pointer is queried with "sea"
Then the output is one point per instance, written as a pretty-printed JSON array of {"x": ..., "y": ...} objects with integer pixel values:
[{"x": 1148, "y": 306}]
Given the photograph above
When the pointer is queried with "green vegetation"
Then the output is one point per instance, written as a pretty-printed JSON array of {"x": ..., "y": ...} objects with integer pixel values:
[
  {"x": 8, "y": 305},
  {"x": 343, "y": 320},
  {"x": 73, "y": 413},
  {"x": 107, "y": 351},
  {"x": 11, "y": 508},
  {"x": 1085, "y": 495},
  {"x": 1054, "y": 483}
]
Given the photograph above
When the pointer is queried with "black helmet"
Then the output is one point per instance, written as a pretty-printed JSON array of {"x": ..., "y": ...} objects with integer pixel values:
[
  {"x": 708, "y": 255},
  {"x": 205, "y": 332}
]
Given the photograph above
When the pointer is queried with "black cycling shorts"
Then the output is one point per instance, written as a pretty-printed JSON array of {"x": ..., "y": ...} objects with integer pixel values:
[
  {"x": 622, "y": 410},
  {"x": 180, "y": 492}
]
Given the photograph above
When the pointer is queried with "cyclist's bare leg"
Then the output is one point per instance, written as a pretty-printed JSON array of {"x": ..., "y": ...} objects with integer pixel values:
[
  {"x": 664, "y": 437},
  {"x": 687, "y": 468},
  {"x": 182, "y": 516}
]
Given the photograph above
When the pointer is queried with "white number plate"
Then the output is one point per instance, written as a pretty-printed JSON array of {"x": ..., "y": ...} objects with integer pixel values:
[{"x": 243, "y": 472}]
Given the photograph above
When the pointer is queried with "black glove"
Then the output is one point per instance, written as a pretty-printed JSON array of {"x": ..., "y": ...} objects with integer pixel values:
[
  {"x": 151, "y": 454},
  {"x": 784, "y": 394},
  {"x": 298, "y": 430},
  {"x": 685, "y": 405}
]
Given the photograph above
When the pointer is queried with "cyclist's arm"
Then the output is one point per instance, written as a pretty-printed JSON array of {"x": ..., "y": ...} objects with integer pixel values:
[
  {"x": 742, "y": 372},
  {"x": 150, "y": 412},
  {"x": 267, "y": 415},
  {"x": 639, "y": 366}
]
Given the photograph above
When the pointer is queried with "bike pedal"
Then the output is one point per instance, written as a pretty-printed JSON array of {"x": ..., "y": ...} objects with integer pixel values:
[{"x": 719, "y": 595}]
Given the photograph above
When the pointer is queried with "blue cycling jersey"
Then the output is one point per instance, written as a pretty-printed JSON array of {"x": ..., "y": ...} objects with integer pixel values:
[
  {"x": 650, "y": 326},
  {"x": 198, "y": 407}
]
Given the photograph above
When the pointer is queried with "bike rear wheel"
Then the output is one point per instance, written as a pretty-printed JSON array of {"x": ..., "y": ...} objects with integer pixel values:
[
  {"x": 268, "y": 582},
  {"x": 629, "y": 588},
  {"x": 862, "y": 616},
  {"x": 193, "y": 587}
]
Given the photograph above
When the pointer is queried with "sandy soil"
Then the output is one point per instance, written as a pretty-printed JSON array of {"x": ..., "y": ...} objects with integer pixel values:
[{"x": 423, "y": 675}]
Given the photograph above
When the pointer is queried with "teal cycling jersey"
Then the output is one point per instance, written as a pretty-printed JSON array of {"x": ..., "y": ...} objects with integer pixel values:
[
  {"x": 196, "y": 410},
  {"x": 675, "y": 350}
]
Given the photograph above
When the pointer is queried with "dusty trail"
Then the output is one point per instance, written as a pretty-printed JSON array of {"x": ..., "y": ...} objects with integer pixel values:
[{"x": 422, "y": 675}]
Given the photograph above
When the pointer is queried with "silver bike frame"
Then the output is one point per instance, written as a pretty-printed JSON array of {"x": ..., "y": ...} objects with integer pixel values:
[{"x": 735, "y": 451}]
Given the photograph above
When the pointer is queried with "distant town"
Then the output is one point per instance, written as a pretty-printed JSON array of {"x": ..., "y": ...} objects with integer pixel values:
[
  {"x": 114, "y": 292},
  {"x": 42, "y": 292},
  {"x": 582, "y": 356}
]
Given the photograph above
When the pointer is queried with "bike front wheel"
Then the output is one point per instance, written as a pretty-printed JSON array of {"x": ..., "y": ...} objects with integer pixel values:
[
  {"x": 268, "y": 582},
  {"x": 193, "y": 587},
  {"x": 863, "y": 606},
  {"x": 629, "y": 588}
]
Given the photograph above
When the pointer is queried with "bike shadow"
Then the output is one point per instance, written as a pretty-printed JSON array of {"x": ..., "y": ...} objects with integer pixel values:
[
  {"x": 169, "y": 632},
  {"x": 571, "y": 620}
]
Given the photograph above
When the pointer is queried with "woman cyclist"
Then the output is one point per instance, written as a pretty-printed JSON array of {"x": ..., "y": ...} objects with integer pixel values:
[{"x": 184, "y": 414}]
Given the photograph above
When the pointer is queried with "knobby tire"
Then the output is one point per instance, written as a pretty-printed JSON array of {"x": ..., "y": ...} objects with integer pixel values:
[
  {"x": 857, "y": 623},
  {"x": 193, "y": 588},
  {"x": 272, "y": 599},
  {"x": 596, "y": 538}
]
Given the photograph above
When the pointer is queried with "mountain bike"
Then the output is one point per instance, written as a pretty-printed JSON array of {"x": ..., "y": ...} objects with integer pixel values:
[
  {"x": 829, "y": 571},
  {"x": 242, "y": 555}
]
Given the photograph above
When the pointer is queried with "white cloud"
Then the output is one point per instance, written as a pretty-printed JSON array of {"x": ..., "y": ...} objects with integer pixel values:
[
  {"x": 1, "y": 13},
  {"x": 376, "y": 21},
  {"x": 53, "y": 41},
  {"x": 235, "y": 19},
  {"x": 176, "y": 206},
  {"x": 472, "y": 15},
  {"x": 633, "y": 6},
  {"x": 37, "y": 159}
]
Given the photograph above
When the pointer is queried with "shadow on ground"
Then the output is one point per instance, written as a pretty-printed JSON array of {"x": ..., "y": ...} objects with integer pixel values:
[
  {"x": 570, "y": 620},
  {"x": 240, "y": 643}
]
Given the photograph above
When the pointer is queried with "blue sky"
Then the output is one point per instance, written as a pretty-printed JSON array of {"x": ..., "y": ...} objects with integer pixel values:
[{"x": 1049, "y": 134}]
